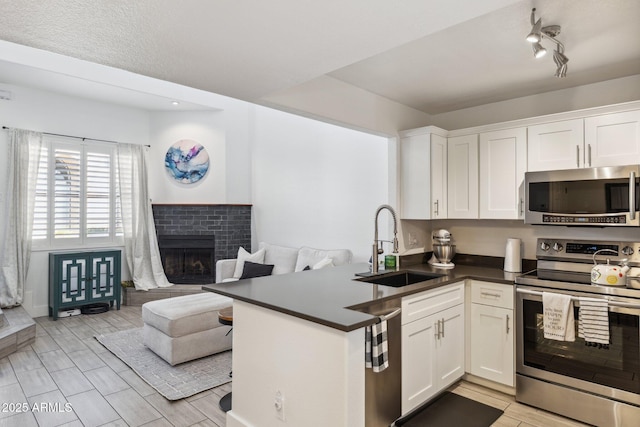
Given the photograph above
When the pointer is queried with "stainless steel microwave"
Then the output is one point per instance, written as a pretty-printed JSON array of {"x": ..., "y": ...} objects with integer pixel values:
[{"x": 604, "y": 196}]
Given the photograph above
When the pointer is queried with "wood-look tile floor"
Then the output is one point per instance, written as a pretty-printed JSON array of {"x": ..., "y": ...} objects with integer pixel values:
[{"x": 67, "y": 378}]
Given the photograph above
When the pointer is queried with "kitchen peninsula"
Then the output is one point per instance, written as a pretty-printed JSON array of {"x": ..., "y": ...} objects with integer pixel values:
[{"x": 300, "y": 337}]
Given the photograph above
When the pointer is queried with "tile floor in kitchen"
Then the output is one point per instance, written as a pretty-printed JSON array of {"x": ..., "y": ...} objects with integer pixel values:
[{"x": 67, "y": 365}]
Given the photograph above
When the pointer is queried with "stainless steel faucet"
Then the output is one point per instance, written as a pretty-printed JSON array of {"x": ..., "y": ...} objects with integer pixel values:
[{"x": 376, "y": 250}]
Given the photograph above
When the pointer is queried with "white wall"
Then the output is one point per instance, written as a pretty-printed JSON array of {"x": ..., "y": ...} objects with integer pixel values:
[
  {"x": 205, "y": 127},
  {"x": 316, "y": 184},
  {"x": 609, "y": 92}
]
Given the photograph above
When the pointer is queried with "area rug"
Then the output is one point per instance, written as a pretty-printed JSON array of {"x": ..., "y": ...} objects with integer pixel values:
[
  {"x": 173, "y": 382},
  {"x": 451, "y": 409}
]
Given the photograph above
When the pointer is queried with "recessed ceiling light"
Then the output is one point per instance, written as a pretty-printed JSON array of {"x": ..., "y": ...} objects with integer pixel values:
[{"x": 175, "y": 103}]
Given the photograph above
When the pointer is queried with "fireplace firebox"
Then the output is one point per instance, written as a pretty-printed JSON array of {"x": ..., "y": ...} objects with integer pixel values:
[{"x": 188, "y": 259}]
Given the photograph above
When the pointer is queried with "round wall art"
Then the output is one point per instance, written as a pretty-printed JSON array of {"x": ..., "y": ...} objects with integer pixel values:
[{"x": 187, "y": 161}]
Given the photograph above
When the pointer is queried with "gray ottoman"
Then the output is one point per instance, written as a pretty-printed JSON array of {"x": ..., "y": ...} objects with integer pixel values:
[{"x": 186, "y": 328}]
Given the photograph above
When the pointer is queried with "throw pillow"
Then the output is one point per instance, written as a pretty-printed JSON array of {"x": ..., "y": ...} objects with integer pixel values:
[
  {"x": 253, "y": 269},
  {"x": 243, "y": 256},
  {"x": 327, "y": 262}
]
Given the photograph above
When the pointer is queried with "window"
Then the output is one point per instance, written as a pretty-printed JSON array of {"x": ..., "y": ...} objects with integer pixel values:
[{"x": 77, "y": 201}]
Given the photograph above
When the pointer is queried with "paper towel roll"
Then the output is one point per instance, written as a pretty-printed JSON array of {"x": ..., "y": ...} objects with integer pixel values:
[{"x": 512, "y": 257}]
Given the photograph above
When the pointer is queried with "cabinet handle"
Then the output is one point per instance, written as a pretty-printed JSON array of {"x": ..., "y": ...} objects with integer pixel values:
[
  {"x": 589, "y": 152},
  {"x": 443, "y": 328},
  {"x": 490, "y": 294},
  {"x": 521, "y": 206},
  {"x": 437, "y": 210},
  {"x": 507, "y": 323},
  {"x": 577, "y": 156}
]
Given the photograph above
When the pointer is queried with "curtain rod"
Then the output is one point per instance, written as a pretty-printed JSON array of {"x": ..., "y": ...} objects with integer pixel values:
[{"x": 77, "y": 137}]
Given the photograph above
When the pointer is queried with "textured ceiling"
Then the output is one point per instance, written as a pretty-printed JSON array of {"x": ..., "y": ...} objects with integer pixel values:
[{"x": 431, "y": 55}]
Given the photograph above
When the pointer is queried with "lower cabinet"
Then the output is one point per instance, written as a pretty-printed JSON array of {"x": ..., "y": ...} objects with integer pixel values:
[
  {"x": 77, "y": 279},
  {"x": 492, "y": 332},
  {"x": 432, "y": 344}
]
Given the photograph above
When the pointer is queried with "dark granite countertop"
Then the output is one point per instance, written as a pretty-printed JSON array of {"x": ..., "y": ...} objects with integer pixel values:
[{"x": 333, "y": 297}]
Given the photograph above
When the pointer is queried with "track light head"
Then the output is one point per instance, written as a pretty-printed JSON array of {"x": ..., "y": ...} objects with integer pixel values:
[
  {"x": 538, "y": 50},
  {"x": 535, "y": 36}
]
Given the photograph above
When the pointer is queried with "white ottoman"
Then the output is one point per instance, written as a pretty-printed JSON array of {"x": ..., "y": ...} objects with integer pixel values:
[{"x": 186, "y": 328}]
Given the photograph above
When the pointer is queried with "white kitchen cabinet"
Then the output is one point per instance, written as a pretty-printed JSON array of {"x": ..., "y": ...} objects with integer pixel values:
[
  {"x": 432, "y": 344},
  {"x": 612, "y": 139},
  {"x": 557, "y": 145},
  {"x": 462, "y": 176},
  {"x": 503, "y": 162},
  {"x": 492, "y": 334},
  {"x": 423, "y": 173},
  {"x": 605, "y": 140}
]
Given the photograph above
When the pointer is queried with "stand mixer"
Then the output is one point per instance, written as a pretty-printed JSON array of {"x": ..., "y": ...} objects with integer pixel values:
[{"x": 443, "y": 250}]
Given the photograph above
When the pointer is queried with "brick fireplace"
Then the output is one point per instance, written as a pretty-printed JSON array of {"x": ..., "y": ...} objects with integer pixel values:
[{"x": 200, "y": 235}]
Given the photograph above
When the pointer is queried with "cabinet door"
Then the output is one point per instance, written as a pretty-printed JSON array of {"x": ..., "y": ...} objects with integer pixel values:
[
  {"x": 503, "y": 161},
  {"x": 438, "y": 177},
  {"x": 492, "y": 355},
  {"x": 450, "y": 346},
  {"x": 462, "y": 177},
  {"x": 72, "y": 280},
  {"x": 613, "y": 139},
  {"x": 415, "y": 177},
  {"x": 418, "y": 362},
  {"x": 103, "y": 273},
  {"x": 557, "y": 145}
]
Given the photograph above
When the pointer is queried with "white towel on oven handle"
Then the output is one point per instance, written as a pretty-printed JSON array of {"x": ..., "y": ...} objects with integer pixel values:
[{"x": 558, "y": 319}]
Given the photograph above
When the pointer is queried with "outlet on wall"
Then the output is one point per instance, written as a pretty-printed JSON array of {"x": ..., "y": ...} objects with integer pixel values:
[{"x": 279, "y": 405}]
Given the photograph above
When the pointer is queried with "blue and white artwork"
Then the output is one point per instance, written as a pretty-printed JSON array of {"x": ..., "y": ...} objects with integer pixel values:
[{"x": 187, "y": 161}]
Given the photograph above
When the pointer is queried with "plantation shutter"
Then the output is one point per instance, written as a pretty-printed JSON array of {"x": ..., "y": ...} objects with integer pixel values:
[
  {"x": 98, "y": 194},
  {"x": 67, "y": 193}
]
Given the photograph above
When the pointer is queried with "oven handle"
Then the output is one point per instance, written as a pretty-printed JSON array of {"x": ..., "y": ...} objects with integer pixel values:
[
  {"x": 611, "y": 303},
  {"x": 632, "y": 195}
]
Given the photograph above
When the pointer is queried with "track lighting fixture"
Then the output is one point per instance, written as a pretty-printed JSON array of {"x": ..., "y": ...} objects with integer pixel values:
[{"x": 538, "y": 32}]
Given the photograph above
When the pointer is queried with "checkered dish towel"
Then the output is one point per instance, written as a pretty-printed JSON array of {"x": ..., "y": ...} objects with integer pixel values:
[{"x": 376, "y": 351}]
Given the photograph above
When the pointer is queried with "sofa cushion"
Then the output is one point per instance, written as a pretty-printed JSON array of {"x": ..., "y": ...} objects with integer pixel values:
[
  {"x": 184, "y": 315},
  {"x": 243, "y": 256},
  {"x": 252, "y": 269},
  {"x": 283, "y": 258},
  {"x": 311, "y": 257}
]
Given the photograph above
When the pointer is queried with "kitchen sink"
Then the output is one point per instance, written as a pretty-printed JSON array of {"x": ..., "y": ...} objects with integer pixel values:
[{"x": 400, "y": 278}]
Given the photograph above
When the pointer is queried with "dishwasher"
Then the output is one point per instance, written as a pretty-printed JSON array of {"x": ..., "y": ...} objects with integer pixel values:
[{"x": 383, "y": 389}]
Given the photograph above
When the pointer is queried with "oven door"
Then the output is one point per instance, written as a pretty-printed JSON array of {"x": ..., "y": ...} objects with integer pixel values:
[{"x": 612, "y": 372}]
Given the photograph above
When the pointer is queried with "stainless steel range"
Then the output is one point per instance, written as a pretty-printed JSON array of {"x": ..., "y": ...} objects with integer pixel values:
[{"x": 595, "y": 383}]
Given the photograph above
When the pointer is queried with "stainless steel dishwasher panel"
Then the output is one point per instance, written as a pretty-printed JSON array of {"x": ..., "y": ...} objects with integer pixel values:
[{"x": 383, "y": 389}]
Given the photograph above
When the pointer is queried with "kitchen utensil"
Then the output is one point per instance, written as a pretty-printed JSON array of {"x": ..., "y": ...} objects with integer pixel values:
[
  {"x": 607, "y": 274},
  {"x": 512, "y": 257},
  {"x": 444, "y": 252}
]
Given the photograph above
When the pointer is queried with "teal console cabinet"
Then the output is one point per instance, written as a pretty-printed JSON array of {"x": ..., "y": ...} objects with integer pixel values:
[{"x": 82, "y": 278}]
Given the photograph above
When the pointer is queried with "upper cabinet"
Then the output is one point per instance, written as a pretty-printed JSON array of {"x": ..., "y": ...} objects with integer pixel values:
[
  {"x": 606, "y": 140},
  {"x": 423, "y": 173},
  {"x": 557, "y": 145},
  {"x": 462, "y": 180},
  {"x": 612, "y": 139},
  {"x": 503, "y": 162}
]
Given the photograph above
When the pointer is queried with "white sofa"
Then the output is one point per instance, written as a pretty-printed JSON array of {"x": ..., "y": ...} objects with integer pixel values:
[{"x": 284, "y": 260}]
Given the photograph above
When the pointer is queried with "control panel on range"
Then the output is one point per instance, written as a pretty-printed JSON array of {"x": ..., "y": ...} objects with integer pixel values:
[{"x": 583, "y": 250}]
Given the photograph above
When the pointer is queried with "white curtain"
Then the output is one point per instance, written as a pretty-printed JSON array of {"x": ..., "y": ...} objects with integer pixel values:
[
  {"x": 22, "y": 174},
  {"x": 140, "y": 242}
]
